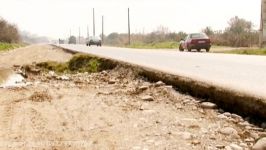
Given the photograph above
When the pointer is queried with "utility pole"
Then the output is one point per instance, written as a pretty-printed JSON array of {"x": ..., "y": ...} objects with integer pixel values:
[
  {"x": 102, "y": 29},
  {"x": 79, "y": 35},
  {"x": 93, "y": 23},
  {"x": 129, "y": 38},
  {"x": 88, "y": 32},
  {"x": 263, "y": 24}
]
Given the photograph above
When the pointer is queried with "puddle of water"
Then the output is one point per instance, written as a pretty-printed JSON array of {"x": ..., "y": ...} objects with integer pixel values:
[
  {"x": 4, "y": 74},
  {"x": 9, "y": 79}
]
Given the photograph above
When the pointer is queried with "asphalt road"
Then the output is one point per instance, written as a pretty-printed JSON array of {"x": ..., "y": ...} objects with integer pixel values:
[{"x": 241, "y": 73}]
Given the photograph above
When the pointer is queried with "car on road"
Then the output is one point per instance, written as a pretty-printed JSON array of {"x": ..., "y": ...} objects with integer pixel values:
[
  {"x": 196, "y": 41},
  {"x": 94, "y": 40}
]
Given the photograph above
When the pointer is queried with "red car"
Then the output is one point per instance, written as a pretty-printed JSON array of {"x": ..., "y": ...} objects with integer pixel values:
[{"x": 196, "y": 41}]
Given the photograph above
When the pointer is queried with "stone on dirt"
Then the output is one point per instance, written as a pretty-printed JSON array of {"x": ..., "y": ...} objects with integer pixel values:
[
  {"x": 208, "y": 105},
  {"x": 235, "y": 147},
  {"x": 263, "y": 125},
  {"x": 144, "y": 87},
  {"x": 186, "y": 136},
  {"x": 228, "y": 131},
  {"x": 52, "y": 73},
  {"x": 260, "y": 145},
  {"x": 64, "y": 78},
  {"x": 159, "y": 83},
  {"x": 111, "y": 82},
  {"x": 147, "y": 98}
]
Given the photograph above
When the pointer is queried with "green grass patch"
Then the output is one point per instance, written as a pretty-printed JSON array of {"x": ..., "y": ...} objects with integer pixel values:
[
  {"x": 9, "y": 46},
  {"x": 78, "y": 63},
  {"x": 245, "y": 51},
  {"x": 159, "y": 45}
]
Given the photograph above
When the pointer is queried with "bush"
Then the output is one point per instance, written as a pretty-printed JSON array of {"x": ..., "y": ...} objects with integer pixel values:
[
  {"x": 8, "y": 46},
  {"x": 8, "y": 32},
  {"x": 84, "y": 63},
  {"x": 239, "y": 33},
  {"x": 79, "y": 63}
]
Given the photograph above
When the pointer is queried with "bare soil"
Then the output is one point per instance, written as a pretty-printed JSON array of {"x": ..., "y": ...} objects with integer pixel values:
[
  {"x": 107, "y": 110},
  {"x": 31, "y": 54}
]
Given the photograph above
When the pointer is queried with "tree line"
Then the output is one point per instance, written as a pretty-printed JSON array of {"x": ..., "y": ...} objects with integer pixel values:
[
  {"x": 238, "y": 33},
  {"x": 8, "y": 32}
]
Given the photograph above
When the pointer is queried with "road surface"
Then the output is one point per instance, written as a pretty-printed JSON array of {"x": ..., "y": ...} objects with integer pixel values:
[{"x": 241, "y": 73}]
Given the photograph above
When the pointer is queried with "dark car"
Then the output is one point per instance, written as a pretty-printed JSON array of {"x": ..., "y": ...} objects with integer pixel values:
[
  {"x": 94, "y": 40},
  {"x": 196, "y": 41}
]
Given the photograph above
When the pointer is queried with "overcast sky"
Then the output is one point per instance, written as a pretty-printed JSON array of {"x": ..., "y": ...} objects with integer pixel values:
[{"x": 55, "y": 18}]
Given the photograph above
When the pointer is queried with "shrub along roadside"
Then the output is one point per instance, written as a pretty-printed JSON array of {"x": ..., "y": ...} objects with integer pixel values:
[
  {"x": 9, "y": 46},
  {"x": 159, "y": 45},
  {"x": 78, "y": 63},
  {"x": 245, "y": 51}
]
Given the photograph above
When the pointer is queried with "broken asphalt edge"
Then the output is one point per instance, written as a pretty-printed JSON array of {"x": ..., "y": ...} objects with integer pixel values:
[{"x": 241, "y": 103}]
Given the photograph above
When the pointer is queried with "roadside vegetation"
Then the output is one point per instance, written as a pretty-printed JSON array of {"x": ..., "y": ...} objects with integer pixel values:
[
  {"x": 159, "y": 45},
  {"x": 238, "y": 33},
  {"x": 78, "y": 63},
  {"x": 9, "y": 46},
  {"x": 9, "y": 36},
  {"x": 245, "y": 51},
  {"x": 8, "y": 32}
]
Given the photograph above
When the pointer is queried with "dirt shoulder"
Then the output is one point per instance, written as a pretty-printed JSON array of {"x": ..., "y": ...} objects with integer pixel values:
[
  {"x": 112, "y": 109},
  {"x": 33, "y": 53}
]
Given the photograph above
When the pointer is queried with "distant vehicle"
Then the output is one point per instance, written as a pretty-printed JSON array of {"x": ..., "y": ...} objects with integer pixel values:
[
  {"x": 94, "y": 40},
  {"x": 196, "y": 41},
  {"x": 72, "y": 40}
]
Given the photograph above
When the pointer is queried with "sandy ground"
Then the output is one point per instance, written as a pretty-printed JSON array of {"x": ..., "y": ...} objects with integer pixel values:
[
  {"x": 30, "y": 54},
  {"x": 108, "y": 110}
]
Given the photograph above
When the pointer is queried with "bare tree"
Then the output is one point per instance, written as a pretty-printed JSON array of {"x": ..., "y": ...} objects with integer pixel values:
[{"x": 8, "y": 32}]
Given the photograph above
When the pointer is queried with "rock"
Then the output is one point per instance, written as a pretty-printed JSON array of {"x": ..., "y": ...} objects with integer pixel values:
[
  {"x": 263, "y": 125},
  {"x": 31, "y": 69},
  {"x": 257, "y": 129},
  {"x": 147, "y": 98},
  {"x": 103, "y": 72},
  {"x": 228, "y": 131},
  {"x": 220, "y": 146},
  {"x": 227, "y": 114},
  {"x": 249, "y": 140},
  {"x": 186, "y": 136},
  {"x": 159, "y": 83},
  {"x": 208, "y": 105},
  {"x": 178, "y": 106},
  {"x": 244, "y": 124},
  {"x": 260, "y": 145},
  {"x": 228, "y": 148},
  {"x": 145, "y": 106},
  {"x": 111, "y": 82},
  {"x": 243, "y": 145},
  {"x": 254, "y": 135},
  {"x": 144, "y": 87},
  {"x": 195, "y": 142},
  {"x": 220, "y": 110},
  {"x": 235, "y": 147},
  {"x": 235, "y": 116},
  {"x": 52, "y": 73},
  {"x": 64, "y": 78},
  {"x": 169, "y": 87},
  {"x": 222, "y": 116},
  {"x": 16, "y": 66}
]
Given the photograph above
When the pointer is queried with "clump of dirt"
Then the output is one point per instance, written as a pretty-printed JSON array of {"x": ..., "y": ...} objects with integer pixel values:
[{"x": 40, "y": 96}]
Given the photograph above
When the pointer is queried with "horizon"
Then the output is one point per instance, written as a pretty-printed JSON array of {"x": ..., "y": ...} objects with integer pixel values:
[{"x": 55, "y": 19}]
